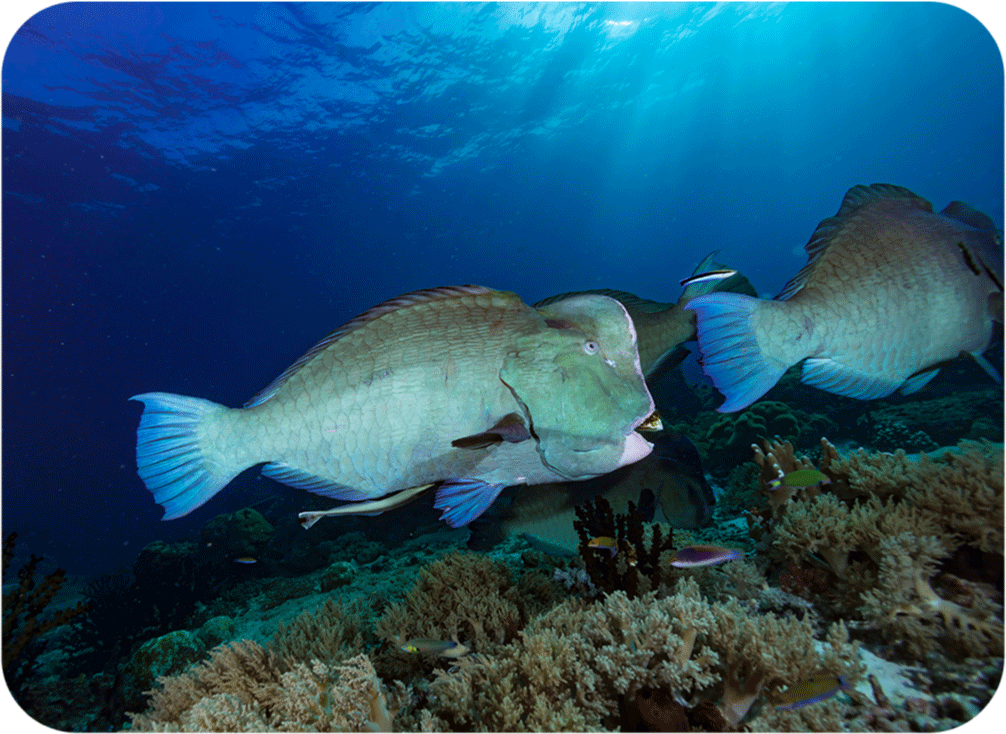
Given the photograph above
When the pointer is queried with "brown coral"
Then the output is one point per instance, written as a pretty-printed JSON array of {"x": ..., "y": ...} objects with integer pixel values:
[
  {"x": 569, "y": 669},
  {"x": 244, "y": 687},
  {"x": 464, "y": 594}
]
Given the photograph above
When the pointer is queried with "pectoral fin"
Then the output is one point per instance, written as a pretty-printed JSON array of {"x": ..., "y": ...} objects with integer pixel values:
[
  {"x": 374, "y": 507},
  {"x": 509, "y": 428},
  {"x": 462, "y": 500}
]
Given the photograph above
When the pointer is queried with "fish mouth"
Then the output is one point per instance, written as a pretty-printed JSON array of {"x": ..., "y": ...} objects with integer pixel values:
[{"x": 651, "y": 424}]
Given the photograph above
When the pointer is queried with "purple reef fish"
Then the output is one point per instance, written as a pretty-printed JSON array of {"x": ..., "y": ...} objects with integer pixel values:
[
  {"x": 692, "y": 556},
  {"x": 464, "y": 388},
  {"x": 890, "y": 292}
]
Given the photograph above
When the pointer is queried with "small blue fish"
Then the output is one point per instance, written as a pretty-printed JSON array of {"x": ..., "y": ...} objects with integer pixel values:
[
  {"x": 709, "y": 276},
  {"x": 246, "y": 560},
  {"x": 811, "y": 691},
  {"x": 704, "y": 555}
]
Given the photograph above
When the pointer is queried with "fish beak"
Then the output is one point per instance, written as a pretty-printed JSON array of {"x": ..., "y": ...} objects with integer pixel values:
[{"x": 651, "y": 424}]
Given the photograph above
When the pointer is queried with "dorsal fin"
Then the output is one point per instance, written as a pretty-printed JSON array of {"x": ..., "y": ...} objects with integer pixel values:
[
  {"x": 855, "y": 199},
  {"x": 629, "y": 300},
  {"x": 406, "y": 300},
  {"x": 970, "y": 216}
]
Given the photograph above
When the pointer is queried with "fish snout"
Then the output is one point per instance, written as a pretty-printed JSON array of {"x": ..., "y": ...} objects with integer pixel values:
[{"x": 635, "y": 448}]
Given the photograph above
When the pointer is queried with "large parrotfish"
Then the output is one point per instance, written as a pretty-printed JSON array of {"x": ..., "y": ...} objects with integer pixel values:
[
  {"x": 891, "y": 290},
  {"x": 464, "y": 388},
  {"x": 668, "y": 486},
  {"x": 663, "y": 328}
]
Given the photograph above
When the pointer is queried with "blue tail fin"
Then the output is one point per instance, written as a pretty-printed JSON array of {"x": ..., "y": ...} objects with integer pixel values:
[
  {"x": 730, "y": 353},
  {"x": 169, "y": 458}
]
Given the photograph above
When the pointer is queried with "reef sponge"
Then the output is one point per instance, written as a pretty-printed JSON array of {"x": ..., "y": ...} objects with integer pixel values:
[
  {"x": 584, "y": 666},
  {"x": 244, "y": 687}
]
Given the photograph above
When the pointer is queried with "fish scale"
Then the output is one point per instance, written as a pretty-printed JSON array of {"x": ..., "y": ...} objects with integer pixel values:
[
  {"x": 462, "y": 387},
  {"x": 891, "y": 291}
]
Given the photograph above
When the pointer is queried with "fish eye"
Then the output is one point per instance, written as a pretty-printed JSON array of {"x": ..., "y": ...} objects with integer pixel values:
[{"x": 590, "y": 346}]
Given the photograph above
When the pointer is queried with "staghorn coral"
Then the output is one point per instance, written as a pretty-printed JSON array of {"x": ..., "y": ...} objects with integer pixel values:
[
  {"x": 244, "y": 687},
  {"x": 570, "y": 668}
]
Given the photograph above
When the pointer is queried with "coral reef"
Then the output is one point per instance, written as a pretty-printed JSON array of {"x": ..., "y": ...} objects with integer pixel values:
[
  {"x": 244, "y": 687},
  {"x": 885, "y": 528},
  {"x": 585, "y": 666},
  {"x": 636, "y": 566},
  {"x": 25, "y": 622}
]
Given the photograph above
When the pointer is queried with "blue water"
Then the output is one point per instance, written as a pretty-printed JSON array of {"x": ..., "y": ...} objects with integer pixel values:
[{"x": 193, "y": 194}]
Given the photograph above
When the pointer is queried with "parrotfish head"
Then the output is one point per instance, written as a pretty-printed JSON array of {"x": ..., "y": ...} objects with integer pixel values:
[{"x": 579, "y": 380}]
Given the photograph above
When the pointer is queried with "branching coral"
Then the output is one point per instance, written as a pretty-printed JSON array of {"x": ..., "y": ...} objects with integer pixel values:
[
  {"x": 23, "y": 609},
  {"x": 636, "y": 565},
  {"x": 901, "y": 517},
  {"x": 905, "y": 607},
  {"x": 332, "y": 633},
  {"x": 244, "y": 687},
  {"x": 571, "y": 668},
  {"x": 464, "y": 593}
]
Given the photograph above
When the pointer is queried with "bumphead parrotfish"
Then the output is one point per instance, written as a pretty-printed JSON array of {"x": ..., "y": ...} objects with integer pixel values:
[
  {"x": 668, "y": 486},
  {"x": 891, "y": 290},
  {"x": 462, "y": 387},
  {"x": 663, "y": 328}
]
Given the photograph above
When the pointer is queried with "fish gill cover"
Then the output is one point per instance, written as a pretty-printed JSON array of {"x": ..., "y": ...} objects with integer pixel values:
[{"x": 194, "y": 194}]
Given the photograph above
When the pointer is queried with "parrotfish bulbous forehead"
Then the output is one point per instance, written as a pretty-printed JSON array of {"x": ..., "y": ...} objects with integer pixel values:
[{"x": 582, "y": 386}]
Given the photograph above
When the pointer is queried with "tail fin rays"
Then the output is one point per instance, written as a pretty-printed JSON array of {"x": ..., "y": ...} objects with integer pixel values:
[
  {"x": 169, "y": 459},
  {"x": 730, "y": 353}
]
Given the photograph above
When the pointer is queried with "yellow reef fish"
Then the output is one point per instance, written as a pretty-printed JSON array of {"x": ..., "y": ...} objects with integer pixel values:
[
  {"x": 811, "y": 691},
  {"x": 607, "y": 543},
  {"x": 800, "y": 478},
  {"x": 439, "y": 648},
  {"x": 891, "y": 290},
  {"x": 464, "y": 388}
]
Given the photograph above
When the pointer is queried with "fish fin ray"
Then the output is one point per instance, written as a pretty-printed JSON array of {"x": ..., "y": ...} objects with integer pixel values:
[
  {"x": 987, "y": 366},
  {"x": 395, "y": 304},
  {"x": 169, "y": 459},
  {"x": 730, "y": 353},
  {"x": 918, "y": 381},
  {"x": 509, "y": 428},
  {"x": 300, "y": 479},
  {"x": 841, "y": 379},
  {"x": 465, "y": 499}
]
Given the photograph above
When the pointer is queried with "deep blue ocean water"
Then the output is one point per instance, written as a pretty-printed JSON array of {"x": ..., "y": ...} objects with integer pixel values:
[{"x": 194, "y": 194}]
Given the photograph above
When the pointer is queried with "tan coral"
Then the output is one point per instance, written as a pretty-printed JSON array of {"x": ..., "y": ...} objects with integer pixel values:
[
  {"x": 244, "y": 687},
  {"x": 464, "y": 593},
  {"x": 582, "y": 660}
]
